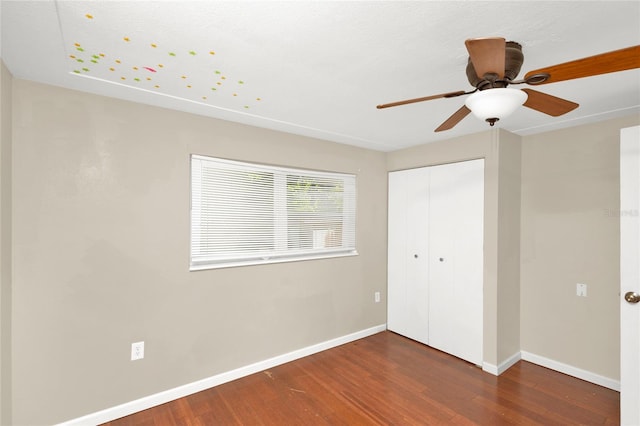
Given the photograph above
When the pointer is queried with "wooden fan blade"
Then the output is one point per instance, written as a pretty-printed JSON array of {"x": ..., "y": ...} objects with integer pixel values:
[
  {"x": 426, "y": 98},
  {"x": 454, "y": 119},
  {"x": 617, "y": 60},
  {"x": 548, "y": 104},
  {"x": 487, "y": 55}
]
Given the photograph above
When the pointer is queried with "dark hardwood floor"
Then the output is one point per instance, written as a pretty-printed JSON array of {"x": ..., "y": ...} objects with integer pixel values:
[{"x": 387, "y": 379}]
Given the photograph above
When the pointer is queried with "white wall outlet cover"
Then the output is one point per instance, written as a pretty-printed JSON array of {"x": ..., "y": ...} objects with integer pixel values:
[
  {"x": 581, "y": 290},
  {"x": 137, "y": 351}
]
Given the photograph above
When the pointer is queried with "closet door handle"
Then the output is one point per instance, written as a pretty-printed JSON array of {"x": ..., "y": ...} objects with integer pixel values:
[
  {"x": 632, "y": 297},
  {"x": 415, "y": 255}
]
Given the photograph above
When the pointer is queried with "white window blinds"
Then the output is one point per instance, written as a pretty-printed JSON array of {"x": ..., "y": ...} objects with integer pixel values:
[{"x": 243, "y": 213}]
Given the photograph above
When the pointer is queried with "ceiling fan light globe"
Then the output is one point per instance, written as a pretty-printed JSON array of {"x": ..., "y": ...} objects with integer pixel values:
[{"x": 495, "y": 103}]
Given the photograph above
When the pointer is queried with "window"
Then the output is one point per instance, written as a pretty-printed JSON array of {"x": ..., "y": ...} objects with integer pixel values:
[{"x": 244, "y": 214}]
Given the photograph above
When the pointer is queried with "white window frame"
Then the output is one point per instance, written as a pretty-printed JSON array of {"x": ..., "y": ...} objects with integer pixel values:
[{"x": 217, "y": 248}]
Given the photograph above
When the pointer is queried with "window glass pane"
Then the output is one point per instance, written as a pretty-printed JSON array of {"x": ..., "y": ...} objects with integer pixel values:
[{"x": 315, "y": 211}]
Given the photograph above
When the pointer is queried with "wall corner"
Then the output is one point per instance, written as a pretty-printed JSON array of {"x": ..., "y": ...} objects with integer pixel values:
[
  {"x": 509, "y": 148},
  {"x": 6, "y": 259}
]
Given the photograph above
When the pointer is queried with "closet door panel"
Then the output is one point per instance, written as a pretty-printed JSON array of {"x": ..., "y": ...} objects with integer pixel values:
[
  {"x": 455, "y": 264},
  {"x": 396, "y": 253},
  {"x": 407, "y": 305}
]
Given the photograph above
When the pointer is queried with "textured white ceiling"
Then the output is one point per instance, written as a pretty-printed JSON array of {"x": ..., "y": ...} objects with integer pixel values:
[{"x": 318, "y": 68}]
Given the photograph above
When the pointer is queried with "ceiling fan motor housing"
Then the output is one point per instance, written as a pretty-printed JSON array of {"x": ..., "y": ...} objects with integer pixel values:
[{"x": 513, "y": 60}]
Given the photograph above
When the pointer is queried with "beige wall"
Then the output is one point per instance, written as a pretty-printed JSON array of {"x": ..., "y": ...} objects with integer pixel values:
[
  {"x": 570, "y": 235},
  {"x": 101, "y": 255},
  {"x": 5, "y": 244},
  {"x": 499, "y": 195},
  {"x": 99, "y": 194}
]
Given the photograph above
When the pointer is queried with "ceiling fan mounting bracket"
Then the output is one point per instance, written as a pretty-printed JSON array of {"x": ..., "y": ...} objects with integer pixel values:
[{"x": 489, "y": 83}]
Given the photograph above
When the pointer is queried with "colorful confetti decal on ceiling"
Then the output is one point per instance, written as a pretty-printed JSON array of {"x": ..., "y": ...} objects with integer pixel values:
[{"x": 173, "y": 68}]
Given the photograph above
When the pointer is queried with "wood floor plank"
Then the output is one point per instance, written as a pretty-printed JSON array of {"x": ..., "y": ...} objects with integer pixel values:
[{"x": 386, "y": 379}]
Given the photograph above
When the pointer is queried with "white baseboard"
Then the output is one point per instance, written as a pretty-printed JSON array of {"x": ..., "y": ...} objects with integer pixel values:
[
  {"x": 497, "y": 370},
  {"x": 553, "y": 365},
  {"x": 191, "y": 388},
  {"x": 572, "y": 371}
]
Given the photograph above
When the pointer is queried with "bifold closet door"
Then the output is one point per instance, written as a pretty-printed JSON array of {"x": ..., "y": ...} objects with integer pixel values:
[
  {"x": 435, "y": 256},
  {"x": 456, "y": 223},
  {"x": 408, "y": 293}
]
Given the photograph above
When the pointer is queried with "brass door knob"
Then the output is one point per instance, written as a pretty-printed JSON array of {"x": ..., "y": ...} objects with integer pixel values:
[{"x": 632, "y": 297}]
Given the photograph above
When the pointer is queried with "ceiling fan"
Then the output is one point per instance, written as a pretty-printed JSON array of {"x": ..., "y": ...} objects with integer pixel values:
[{"x": 494, "y": 64}]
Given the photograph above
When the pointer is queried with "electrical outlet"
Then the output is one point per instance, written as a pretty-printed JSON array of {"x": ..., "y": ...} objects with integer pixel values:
[
  {"x": 137, "y": 351},
  {"x": 581, "y": 290},
  {"x": 376, "y": 297}
]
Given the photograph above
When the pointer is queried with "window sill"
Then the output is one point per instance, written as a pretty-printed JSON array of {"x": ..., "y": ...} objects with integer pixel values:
[{"x": 250, "y": 262}]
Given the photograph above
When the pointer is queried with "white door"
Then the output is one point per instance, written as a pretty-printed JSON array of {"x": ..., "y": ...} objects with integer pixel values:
[
  {"x": 435, "y": 256},
  {"x": 407, "y": 294},
  {"x": 456, "y": 211},
  {"x": 629, "y": 276}
]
